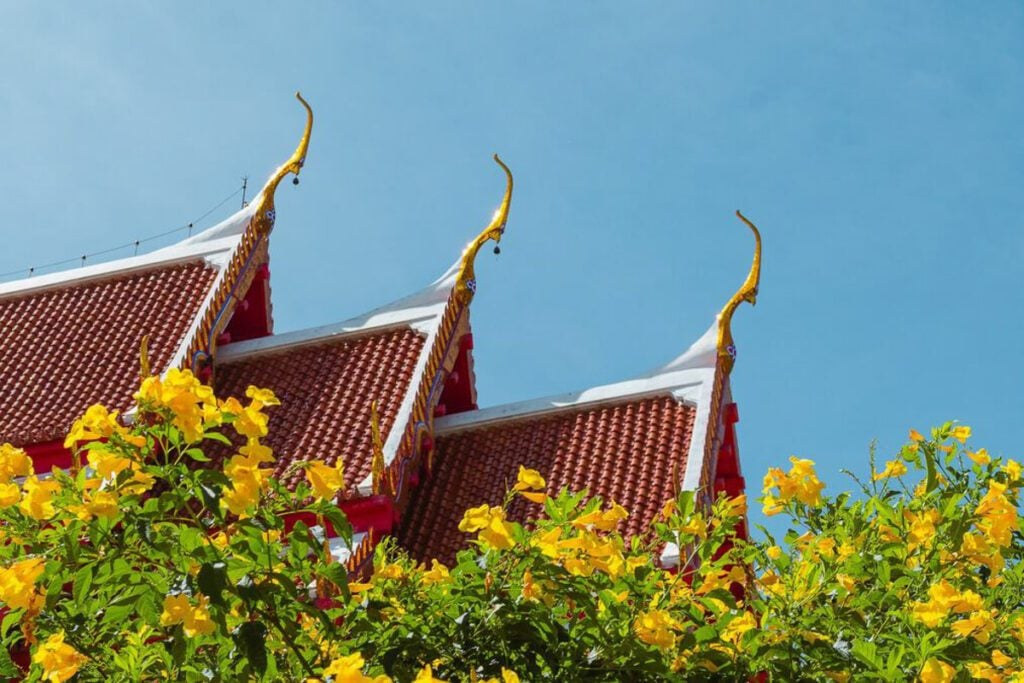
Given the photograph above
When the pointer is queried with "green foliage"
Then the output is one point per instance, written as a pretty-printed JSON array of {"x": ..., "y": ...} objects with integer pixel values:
[{"x": 154, "y": 564}]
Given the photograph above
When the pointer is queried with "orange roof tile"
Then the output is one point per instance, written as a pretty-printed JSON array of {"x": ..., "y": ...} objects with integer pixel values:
[
  {"x": 629, "y": 452},
  {"x": 65, "y": 348},
  {"x": 325, "y": 390}
]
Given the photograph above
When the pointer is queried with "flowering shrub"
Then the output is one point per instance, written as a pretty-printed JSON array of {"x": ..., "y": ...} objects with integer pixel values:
[{"x": 153, "y": 563}]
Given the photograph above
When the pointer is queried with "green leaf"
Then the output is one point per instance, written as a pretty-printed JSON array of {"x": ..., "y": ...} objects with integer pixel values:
[
  {"x": 339, "y": 521},
  {"x": 338, "y": 575},
  {"x": 83, "y": 582},
  {"x": 218, "y": 437},
  {"x": 706, "y": 634},
  {"x": 197, "y": 455},
  {"x": 8, "y": 669},
  {"x": 212, "y": 580},
  {"x": 252, "y": 641},
  {"x": 867, "y": 653}
]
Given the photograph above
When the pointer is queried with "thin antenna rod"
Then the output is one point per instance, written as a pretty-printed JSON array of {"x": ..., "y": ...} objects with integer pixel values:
[{"x": 245, "y": 184}]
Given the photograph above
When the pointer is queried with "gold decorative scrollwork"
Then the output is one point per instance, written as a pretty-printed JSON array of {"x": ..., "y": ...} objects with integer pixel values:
[
  {"x": 377, "y": 465},
  {"x": 265, "y": 214},
  {"x": 465, "y": 284},
  {"x": 747, "y": 292}
]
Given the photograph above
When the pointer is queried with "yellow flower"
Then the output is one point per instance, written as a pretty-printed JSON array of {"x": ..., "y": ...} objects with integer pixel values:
[
  {"x": 979, "y": 625},
  {"x": 936, "y": 671},
  {"x": 195, "y": 620},
  {"x": 529, "y": 479},
  {"x": 390, "y": 571},
  {"x": 998, "y": 515},
  {"x": 509, "y": 676},
  {"x": 985, "y": 672},
  {"x": 656, "y": 628},
  {"x": 548, "y": 542},
  {"x": 980, "y": 456},
  {"x": 475, "y": 519},
  {"x": 921, "y": 528},
  {"x": 438, "y": 573},
  {"x": 893, "y": 468},
  {"x": 605, "y": 520},
  {"x": 531, "y": 591},
  {"x": 9, "y": 495},
  {"x": 59, "y": 660},
  {"x": 999, "y": 658},
  {"x": 695, "y": 526},
  {"x": 426, "y": 675},
  {"x": 38, "y": 500},
  {"x": 107, "y": 463},
  {"x": 18, "y": 581},
  {"x": 978, "y": 548},
  {"x": 251, "y": 423},
  {"x": 1013, "y": 469},
  {"x": 191, "y": 402},
  {"x": 498, "y": 533},
  {"x": 103, "y": 504},
  {"x": 326, "y": 480},
  {"x": 735, "y": 506},
  {"x": 916, "y": 435},
  {"x": 263, "y": 397},
  {"x": 800, "y": 483},
  {"x": 349, "y": 669},
  {"x": 961, "y": 433},
  {"x": 14, "y": 462},
  {"x": 773, "y": 552},
  {"x": 490, "y": 522},
  {"x": 772, "y": 505},
  {"x": 737, "y": 626}
]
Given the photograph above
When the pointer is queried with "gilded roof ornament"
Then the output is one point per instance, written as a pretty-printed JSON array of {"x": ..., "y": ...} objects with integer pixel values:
[
  {"x": 747, "y": 292},
  {"x": 265, "y": 214},
  {"x": 377, "y": 466},
  {"x": 465, "y": 285}
]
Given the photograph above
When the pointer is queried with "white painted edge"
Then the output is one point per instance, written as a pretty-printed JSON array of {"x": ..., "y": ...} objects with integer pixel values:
[
  {"x": 419, "y": 311},
  {"x": 435, "y": 297},
  {"x": 213, "y": 244},
  {"x": 669, "y": 557},
  {"x": 342, "y": 551}
]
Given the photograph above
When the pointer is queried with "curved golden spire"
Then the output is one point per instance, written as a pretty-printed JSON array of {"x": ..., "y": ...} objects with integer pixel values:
[
  {"x": 747, "y": 292},
  {"x": 465, "y": 284},
  {"x": 265, "y": 213}
]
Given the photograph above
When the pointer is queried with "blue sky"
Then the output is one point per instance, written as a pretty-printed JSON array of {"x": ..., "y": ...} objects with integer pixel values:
[{"x": 878, "y": 146}]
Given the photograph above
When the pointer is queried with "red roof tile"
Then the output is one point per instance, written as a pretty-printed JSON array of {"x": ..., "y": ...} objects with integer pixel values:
[
  {"x": 625, "y": 452},
  {"x": 65, "y": 348},
  {"x": 325, "y": 391}
]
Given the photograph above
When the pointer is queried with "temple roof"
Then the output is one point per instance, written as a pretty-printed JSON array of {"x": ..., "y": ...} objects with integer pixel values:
[
  {"x": 327, "y": 377},
  {"x": 635, "y": 442},
  {"x": 71, "y": 339}
]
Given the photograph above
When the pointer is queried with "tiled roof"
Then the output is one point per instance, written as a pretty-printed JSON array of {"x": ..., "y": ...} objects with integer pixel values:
[
  {"x": 629, "y": 452},
  {"x": 325, "y": 390},
  {"x": 65, "y": 348}
]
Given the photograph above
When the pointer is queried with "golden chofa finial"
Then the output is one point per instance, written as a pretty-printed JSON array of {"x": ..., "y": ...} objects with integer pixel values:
[
  {"x": 465, "y": 284},
  {"x": 265, "y": 212},
  {"x": 377, "y": 466},
  {"x": 747, "y": 292}
]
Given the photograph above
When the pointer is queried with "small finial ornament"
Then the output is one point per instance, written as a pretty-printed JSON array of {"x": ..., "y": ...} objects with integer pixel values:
[
  {"x": 747, "y": 292},
  {"x": 465, "y": 284},
  {"x": 377, "y": 466},
  {"x": 265, "y": 213}
]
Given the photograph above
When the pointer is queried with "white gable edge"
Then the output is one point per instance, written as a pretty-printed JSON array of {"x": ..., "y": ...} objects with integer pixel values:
[{"x": 213, "y": 244}]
